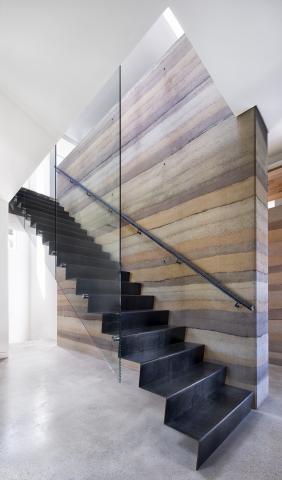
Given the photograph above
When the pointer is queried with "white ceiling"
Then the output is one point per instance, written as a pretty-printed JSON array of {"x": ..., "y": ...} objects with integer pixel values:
[{"x": 55, "y": 56}]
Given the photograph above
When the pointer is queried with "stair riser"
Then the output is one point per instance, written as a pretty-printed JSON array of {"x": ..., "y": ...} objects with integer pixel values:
[
  {"x": 70, "y": 240},
  {"x": 62, "y": 247},
  {"x": 141, "y": 302},
  {"x": 100, "y": 261},
  {"x": 36, "y": 197},
  {"x": 136, "y": 320},
  {"x": 39, "y": 203},
  {"x": 77, "y": 271},
  {"x": 152, "y": 340},
  {"x": 30, "y": 204},
  {"x": 27, "y": 200},
  {"x": 68, "y": 227},
  {"x": 128, "y": 288},
  {"x": 185, "y": 399},
  {"x": 106, "y": 287},
  {"x": 212, "y": 440},
  {"x": 48, "y": 215},
  {"x": 102, "y": 303},
  {"x": 50, "y": 221},
  {"x": 86, "y": 271},
  {"x": 97, "y": 286},
  {"x": 111, "y": 327},
  {"x": 52, "y": 234},
  {"x": 144, "y": 319},
  {"x": 165, "y": 368},
  {"x": 16, "y": 210}
]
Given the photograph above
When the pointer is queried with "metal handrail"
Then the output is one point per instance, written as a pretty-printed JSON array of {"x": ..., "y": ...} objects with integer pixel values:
[{"x": 179, "y": 257}]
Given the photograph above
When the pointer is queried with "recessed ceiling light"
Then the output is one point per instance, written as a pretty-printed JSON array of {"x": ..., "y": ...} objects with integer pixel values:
[{"x": 173, "y": 23}]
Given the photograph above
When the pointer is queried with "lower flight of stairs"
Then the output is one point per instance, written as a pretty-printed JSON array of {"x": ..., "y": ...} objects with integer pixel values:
[{"x": 198, "y": 401}]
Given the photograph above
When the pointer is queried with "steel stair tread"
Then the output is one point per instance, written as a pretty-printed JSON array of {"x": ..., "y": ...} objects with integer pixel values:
[
  {"x": 142, "y": 330},
  {"x": 153, "y": 354},
  {"x": 207, "y": 414},
  {"x": 195, "y": 374}
]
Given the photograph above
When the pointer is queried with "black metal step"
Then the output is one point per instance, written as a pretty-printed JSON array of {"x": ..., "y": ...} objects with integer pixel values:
[
  {"x": 113, "y": 303},
  {"x": 137, "y": 302},
  {"x": 39, "y": 200},
  {"x": 25, "y": 192},
  {"x": 86, "y": 271},
  {"x": 14, "y": 209},
  {"x": 132, "y": 320},
  {"x": 153, "y": 338},
  {"x": 83, "y": 242},
  {"x": 211, "y": 419},
  {"x": 157, "y": 353},
  {"x": 168, "y": 368},
  {"x": 200, "y": 377},
  {"x": 52, "y": 224},
  {"x": 128, "y": 288},
  {"x": 52, "y": 219},
  {"x": 42, "y": 206},
  {"x": 48, "y": 215},
  {"x": 96, "y": 286},
  {"x": 52, "y": 233},
  {"x": 63, "y": 247},
  {"x": 101, "y": 260}
]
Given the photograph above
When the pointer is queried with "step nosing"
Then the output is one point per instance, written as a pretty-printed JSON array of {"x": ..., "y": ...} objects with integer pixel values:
[
  {"x": 146, "y": 310},
  {"x": 172, "y": 354},
  {"x": 197, "y": 382},
  {"x": 148, "y": 332},
  {"x": 223, "y": 419}
]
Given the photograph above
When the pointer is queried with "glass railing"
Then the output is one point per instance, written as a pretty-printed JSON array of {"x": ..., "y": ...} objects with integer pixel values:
[{"x": 87, "y": 245}]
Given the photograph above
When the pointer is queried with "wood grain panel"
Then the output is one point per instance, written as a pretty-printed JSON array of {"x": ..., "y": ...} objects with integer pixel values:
[
  {"x": 275, "y": 285},
  {"x": 275, "y": 184}
]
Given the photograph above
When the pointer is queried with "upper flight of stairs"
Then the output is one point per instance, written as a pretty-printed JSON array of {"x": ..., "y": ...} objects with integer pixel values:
[{"x": 198, "y": 401}]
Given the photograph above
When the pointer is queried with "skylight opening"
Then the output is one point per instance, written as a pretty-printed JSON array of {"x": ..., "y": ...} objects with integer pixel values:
[{"x": 173, "y": 23}]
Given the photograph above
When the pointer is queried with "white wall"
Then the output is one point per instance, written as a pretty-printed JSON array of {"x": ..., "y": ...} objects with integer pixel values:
[
  {"x": 40, "y": 179},
  {"x": 32, "y": 285},
  {"x": 43, "y": 292},
  {"x": 18, "y": 258},
  {"x": 4, "y": 316}
]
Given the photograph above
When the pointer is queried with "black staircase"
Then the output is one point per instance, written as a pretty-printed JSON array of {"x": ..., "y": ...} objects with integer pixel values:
[{"x": 198, "y": 402}]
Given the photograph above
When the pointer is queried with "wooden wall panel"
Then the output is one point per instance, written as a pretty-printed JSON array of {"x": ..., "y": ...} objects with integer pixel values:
[
  {"x": 275, "y": 285},
  {"x": 195, "y": 175},
  {"x": 275, "y": 184}
]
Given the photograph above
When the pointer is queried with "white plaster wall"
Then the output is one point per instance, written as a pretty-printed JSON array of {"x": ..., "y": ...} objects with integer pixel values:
[
  {"x": 4, "y": 313},
  {"x": 18, "y": 285},
  {"x": 43, "y": 292},
  {"x": 40, "y": 180},
  {"x": 32, "y": 286}
]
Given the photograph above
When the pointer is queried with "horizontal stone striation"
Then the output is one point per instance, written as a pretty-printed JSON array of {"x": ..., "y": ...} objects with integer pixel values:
[
  {"x": 76, "y": 327},
  {"x": 195, "y": 176},
  {"x": 275, "y": 183},
  {"x": 275, "y": 285}
]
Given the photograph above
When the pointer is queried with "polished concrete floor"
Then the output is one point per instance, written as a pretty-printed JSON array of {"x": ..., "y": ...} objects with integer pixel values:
[{"x": 63, "y": 416}]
